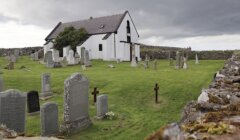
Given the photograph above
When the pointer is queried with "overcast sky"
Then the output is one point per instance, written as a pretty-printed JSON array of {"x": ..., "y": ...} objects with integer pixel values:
[{"x": 201, "y": 24}]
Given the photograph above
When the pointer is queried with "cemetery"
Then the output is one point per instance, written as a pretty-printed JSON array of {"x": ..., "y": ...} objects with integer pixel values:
[{"x": 101, "y": 102}]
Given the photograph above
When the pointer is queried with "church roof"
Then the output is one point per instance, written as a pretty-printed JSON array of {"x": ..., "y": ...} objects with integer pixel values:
[{"x": 99, "y": 25}]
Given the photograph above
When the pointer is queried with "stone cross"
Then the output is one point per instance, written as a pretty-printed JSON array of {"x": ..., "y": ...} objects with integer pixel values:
[
  {"x": 156, "y": 92},
  {"x": 94, "y": 93}
]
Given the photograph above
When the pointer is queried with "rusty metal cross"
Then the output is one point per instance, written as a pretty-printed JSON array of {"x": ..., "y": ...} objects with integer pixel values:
[
  {"x": 156, "y": 92},
  {"x": 94, "y": 93}
]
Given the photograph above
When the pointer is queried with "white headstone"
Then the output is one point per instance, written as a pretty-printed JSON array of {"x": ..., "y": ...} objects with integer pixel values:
[
  {"x": 70, "y": 58},
  {"x": 197, "y": 61},
  {"x": 56, "y": 56},
  {"x": 102, "y": 106},
  {"x": 65, "y": 51}
]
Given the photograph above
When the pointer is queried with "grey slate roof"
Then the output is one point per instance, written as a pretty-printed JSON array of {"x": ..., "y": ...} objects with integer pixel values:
[{"x": 99, "y": 25}]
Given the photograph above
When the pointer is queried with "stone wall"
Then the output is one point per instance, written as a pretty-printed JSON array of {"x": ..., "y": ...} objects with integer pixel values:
[
  {"x": 215, "y": 115},
  {"x": 162, "y": 52},
  {"x": 23, "y": 51}
]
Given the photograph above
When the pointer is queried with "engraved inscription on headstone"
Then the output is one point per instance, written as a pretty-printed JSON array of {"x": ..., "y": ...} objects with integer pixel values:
[
  {"x": 49, "y": 119},
  {"x": 12, "y": 110}
]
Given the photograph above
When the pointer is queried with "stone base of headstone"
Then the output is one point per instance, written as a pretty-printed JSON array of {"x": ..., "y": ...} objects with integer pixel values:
[
  {"x": 45, "y": 96},
  {"x": 99, "y": 117},
  {"x": 76, "y": 126},
  {"x": 34, "y": 113},
  {"x": 134, "y": 63}
]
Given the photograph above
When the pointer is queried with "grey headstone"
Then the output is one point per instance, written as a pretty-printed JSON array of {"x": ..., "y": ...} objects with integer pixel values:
[
  {"x": 87, "y": 62},
  {"x": 177, "y": 60},
  {"x": 82, "y": 55},
  {"x": 46, "y": 85},
  {"x": 12, "y": 110},
  {"x": 49, "y": 59},
  {"x": 76, "y": 103},
  {"x": 13, "y": 58},
  {"x": 64, "y": 62},
  {"x": 56, "y": 56},
  {"x": 70, "y": 58},
  {"x": 102, "y": 106},
  {"x": 49, "y": 119}
]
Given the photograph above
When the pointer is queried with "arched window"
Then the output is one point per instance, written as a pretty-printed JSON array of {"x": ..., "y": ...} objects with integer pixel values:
[{"x": 128, "y": 27}]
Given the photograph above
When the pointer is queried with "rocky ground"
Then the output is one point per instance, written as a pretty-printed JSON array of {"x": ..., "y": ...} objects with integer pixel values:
[{"x": 216, "y": 113}]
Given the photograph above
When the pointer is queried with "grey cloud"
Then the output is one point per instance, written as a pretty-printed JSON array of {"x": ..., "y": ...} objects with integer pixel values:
[{"x": 166, "y": 18}]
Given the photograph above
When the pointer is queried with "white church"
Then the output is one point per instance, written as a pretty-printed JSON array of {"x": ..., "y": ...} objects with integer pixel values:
[{"x": 109, "y": 37}]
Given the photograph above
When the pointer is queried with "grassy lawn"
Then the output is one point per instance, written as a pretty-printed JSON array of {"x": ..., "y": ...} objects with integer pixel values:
[{"x": 130, "y": 93}]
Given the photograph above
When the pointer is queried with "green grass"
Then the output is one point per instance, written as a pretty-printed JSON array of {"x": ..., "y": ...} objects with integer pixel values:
[{"x": 130, "y": 92}]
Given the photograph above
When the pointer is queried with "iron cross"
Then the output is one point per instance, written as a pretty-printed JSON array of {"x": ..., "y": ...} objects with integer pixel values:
[
  {"x": 156, "y": 93},
  {"x": 94, "y": 93}
]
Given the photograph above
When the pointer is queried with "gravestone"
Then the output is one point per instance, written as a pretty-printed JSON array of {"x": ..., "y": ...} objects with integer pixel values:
[
  {"x": 49, "y": 59},
  {"x": 82, "y": 55},
  {"x": 87, "y": 62},
  {"x": 16, "y": 52},
  {"x": 64, "y": 62},
  {"x": 196, "y": 61},
  {"x": 49, "y": 119},
  {"x": 76, "y": 103},
  {"x": 102, "y": 106},
  {"x": 66, "y": 51},
  {"x": 155, "y": 64},
  {"x": 185, "y": 66},
  {"x": 70, "y": 58},
  {"x": 77, "y": 58},
  {"x": 10, "y": 65},
  {"x": 177, "y": 66},
  {"x": 12, "y": 110},
  {"x": 35, "y": 56},
  {"x": 56, "y": 56},
  {"x": 46, "y": 87},
  {"x": 13, "y": 58},
  {"x": 33, "y": 102}
]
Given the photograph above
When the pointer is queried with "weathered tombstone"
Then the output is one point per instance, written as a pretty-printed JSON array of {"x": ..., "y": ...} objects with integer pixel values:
[
  {"x": 77, "y": 58},
  {"x": 35, "y": 56},
  {"x": 197, "y": 61},
  {"x": 155, "y": 64},
  {"x": 12, "y": 110},
  {"x": 10, "y": 65},
  {"x": 13, "y": 58},
  {"x": 16, "y": 52},
  {"x": 49, "y": 119},
  {"x": 46, "y": 87},
  {"x": 33, "y": 102},
  {"x": 66, "y": 51},
  {"x": 49, "y": 59},
  {"x": 102, "y": 106},
  {"x": 118, "y": 61},
  {"x": 181, "y": 60},
  {"x": 70, "y": 58},
  {"x": 177, "y": 66},
  {"x": 185, "y": 66},
  {"x": 82, "y": 55},
  {"x": 87, "y": 62},
  {"x": 64, "y": 62},
  {"x": 76, "y": 103},
  {"x": 56, "y": 56}
]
